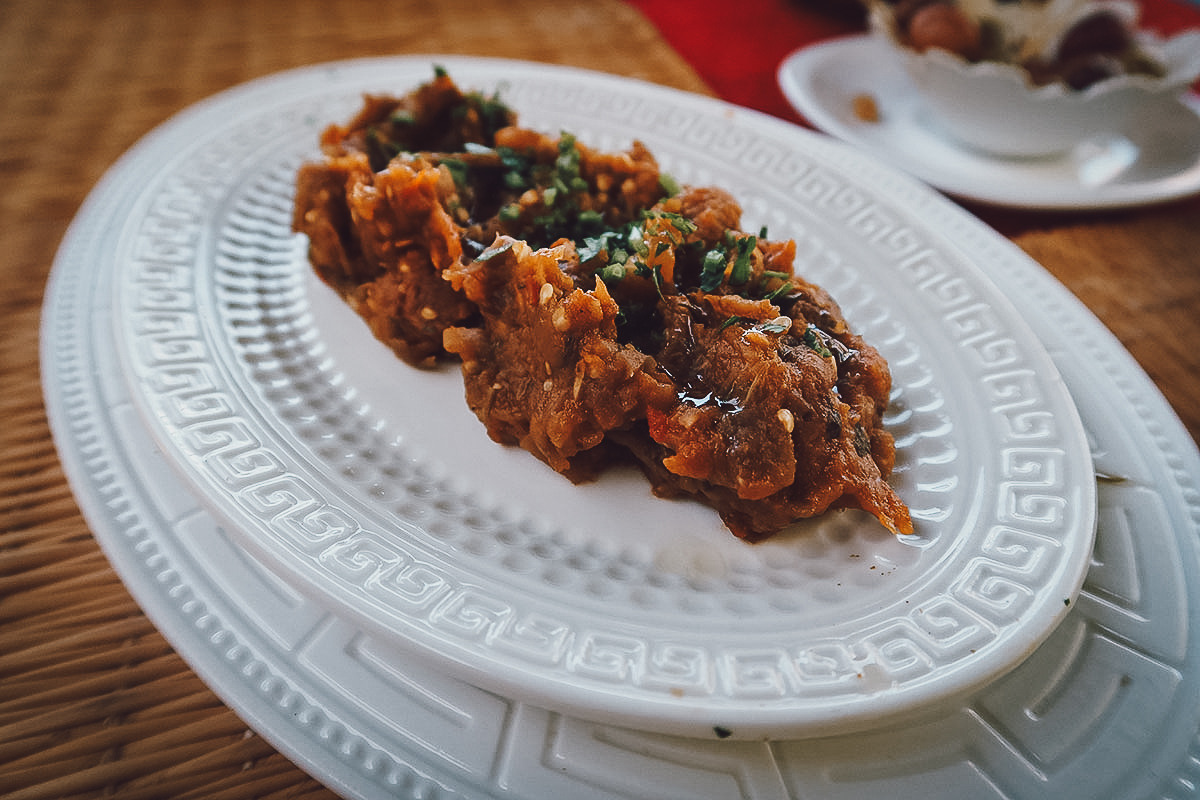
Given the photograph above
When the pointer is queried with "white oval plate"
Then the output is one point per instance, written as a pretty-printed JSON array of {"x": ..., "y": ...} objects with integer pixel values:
[
  {"x": 1156, "y": 161},
  {"x": 1106, "y": 707},
  {"x": 369, "y": 484}
]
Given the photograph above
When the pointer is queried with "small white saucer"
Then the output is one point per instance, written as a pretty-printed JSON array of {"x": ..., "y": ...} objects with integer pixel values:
[{"x": 1157, "y": 162}]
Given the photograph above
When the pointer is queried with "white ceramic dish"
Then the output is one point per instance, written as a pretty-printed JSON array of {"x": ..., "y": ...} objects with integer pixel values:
[
  {"x": 1146, "y": 164},
  {"x": 995, "y": 108},
  {"x": 1107, "y": 707},
  {"x": 369, "y": 482}
]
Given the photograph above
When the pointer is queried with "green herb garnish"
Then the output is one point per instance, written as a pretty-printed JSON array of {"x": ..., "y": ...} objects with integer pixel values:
[
  {"x": 741, "y": 265},
  {"x": 712, "y": 271},
  {"x": 774, "y": 326},
  {"x": 492, "y": 252},
  {"x": 814, "y": 340},
  {"x": 778, "y": 291}
]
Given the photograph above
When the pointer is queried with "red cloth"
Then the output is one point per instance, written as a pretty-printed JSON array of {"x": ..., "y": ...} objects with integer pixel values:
[{"x": 736, "y": 47}]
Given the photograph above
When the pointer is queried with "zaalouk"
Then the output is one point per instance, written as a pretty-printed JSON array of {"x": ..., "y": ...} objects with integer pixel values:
[{"x": 599, "y": 312}]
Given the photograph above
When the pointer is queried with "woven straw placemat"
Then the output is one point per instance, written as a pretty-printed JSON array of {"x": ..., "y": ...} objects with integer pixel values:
[{"x": 93, "y": 702}]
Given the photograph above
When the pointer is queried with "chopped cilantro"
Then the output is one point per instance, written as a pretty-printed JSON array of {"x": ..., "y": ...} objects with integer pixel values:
[
  {"x": 769, "y": 326},
  {"x": 712, "y": 272},
  {"x": 637, "y": 241},
  {"x": 458, "y": 171},
  {"x": 774, "y": 326},
  {"x": 567, "y": 163},
  {"x": 595, "y": 245},
  {"x": 677, "y": 226},
  {"x": 611, "y": 273},
  {"x": 778, "y": 291},
  {"x": 493, "y": 113},
  {"x": 741, "y": 265},
  {"x": 814, "y": 341},
  {"x": 380, "y": 150},
  {"x": 492, "y": 252},
  {"x": 712, "y": 268}
]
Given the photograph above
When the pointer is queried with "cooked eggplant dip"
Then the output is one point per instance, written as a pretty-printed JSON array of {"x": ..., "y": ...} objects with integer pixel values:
[{"x": 600, "y": 313}]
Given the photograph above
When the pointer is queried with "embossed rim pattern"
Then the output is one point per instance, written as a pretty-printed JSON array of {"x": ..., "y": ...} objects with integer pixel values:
[
  {"x": 137, "y": 509},
  {"x": 206, "y": 294}
]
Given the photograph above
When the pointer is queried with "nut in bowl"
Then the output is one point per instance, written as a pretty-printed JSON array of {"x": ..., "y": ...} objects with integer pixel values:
[{"x": 1031, "y": 79}]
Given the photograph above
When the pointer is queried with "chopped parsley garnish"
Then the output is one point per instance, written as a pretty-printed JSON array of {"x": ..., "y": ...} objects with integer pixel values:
[
  {"x": 567, "y": 163},
  {"x": 814, "y": 340},
  {"x": 458, "y": 171},
  {"x": 593, "y": 246},
  {"x": 559, "y": 187},
  {"x": 768, "y": 326},
  {"x": 380, "y": 149},
  {"x": 744, "y": 247},
  {"x": 677, "y": 226},
  {"x": 712, "y": 271},
  {"x": 611, "y": 273},
  {"x": 493, "y": 113},
  {"x": 542, "y": 201},
  {"x": 774, "y": 326},
  {"x": 738, "y": 248},
  {"x": 632, "y": 242},
  {"x": 492, "y": 252},
  {"x": 778, "y": 291}
]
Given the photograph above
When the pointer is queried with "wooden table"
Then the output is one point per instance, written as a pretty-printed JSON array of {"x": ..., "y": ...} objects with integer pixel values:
[{"x": 92, "y": 699}]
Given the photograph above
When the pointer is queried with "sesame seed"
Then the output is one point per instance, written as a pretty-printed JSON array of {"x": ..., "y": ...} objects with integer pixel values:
[
  {"x": 785, "y": 416},
  {"x": 756, "y": 337}
]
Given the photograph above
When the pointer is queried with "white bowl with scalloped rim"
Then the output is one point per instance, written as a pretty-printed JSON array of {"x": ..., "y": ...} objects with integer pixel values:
[{"x": 995, "y": 107}]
